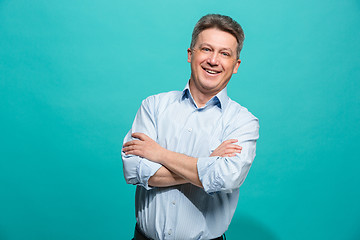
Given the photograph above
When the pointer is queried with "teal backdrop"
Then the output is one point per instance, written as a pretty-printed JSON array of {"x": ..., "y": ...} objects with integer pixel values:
[{"x": 73, "y": 74}]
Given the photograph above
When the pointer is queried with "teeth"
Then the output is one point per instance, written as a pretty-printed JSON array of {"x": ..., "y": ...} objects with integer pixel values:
[{"x": 210, "y": 71}]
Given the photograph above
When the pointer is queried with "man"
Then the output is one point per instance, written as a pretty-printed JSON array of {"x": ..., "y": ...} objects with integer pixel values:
[{"x": 188, "y": 152}]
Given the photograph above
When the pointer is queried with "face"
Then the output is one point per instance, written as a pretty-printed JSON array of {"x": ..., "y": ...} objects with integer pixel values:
[{"x": 213, "y": 61}]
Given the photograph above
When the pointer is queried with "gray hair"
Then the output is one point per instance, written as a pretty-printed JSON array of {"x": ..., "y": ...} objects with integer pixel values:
[{"x": 223, "y": 23}]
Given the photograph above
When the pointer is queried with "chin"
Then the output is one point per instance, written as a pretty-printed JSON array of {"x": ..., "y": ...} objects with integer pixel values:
[
  {"x": 210, "y": 83},
  {"x": 210, "y": 88}
]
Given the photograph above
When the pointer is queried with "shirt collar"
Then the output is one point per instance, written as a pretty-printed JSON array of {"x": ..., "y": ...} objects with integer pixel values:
[{"x": 221, "y": 99}]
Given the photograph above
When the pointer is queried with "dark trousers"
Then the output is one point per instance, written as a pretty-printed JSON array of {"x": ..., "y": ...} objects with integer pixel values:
[{"x": 138, "y": 235}]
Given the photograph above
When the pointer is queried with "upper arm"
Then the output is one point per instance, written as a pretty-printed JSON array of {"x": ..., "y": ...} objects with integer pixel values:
[
  {"x": 138, "y": 170},
  {"x": 228, "y": 173}
]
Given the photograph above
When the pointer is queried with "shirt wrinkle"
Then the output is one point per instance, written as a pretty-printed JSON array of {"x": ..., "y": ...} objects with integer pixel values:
[{"x": 187, "y": 211}]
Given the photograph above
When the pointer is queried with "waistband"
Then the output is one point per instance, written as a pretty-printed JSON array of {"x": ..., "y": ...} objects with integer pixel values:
[{"x": 139, "y": 235}]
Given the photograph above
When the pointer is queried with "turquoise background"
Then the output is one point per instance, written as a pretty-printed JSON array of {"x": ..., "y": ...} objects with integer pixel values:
[{"x": 73, "y": 74}]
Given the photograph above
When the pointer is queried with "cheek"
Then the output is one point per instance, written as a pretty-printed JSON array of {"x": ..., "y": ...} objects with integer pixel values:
[{"x": 231, "y": 69}]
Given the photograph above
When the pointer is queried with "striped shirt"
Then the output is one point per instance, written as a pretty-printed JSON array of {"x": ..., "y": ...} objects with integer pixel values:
[{"x": 175, "y": 122}]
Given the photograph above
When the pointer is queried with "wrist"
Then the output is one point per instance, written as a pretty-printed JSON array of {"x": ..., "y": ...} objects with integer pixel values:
[{"x": 164, "y": 155}]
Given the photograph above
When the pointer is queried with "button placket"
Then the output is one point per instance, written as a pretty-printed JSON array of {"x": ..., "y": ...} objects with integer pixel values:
[{"x": 189, "y": 128}]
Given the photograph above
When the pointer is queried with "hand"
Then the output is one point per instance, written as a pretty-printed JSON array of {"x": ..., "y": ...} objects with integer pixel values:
[
  {"x": 227, "y": 149},
  {"x": 144, "y": 147}
]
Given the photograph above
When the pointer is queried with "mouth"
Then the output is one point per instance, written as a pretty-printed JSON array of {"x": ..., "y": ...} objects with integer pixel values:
[{"x": 211, "y": 71}]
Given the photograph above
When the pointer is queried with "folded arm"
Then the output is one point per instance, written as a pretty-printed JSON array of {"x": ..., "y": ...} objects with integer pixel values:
[
  {"x": 139, "y": 170},
  {"x": 224, "y": 170},
  {"x": 176, "y": 168},
  {"x": 226, "y": 174},
  {"x": 165, "y": 178}
]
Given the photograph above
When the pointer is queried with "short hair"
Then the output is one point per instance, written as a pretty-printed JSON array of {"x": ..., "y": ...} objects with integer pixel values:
[{"x": 223, "y": 23}]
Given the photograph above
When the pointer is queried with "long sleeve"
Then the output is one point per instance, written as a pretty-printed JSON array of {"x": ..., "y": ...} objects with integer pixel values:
[
  {"x": 228, "y": 173},
  {"x": 138, "y": 170},
  {"x": 178, "y": 125}
]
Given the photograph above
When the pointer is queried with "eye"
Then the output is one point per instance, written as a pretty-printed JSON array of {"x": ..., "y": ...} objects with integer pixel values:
[
  {"x": 206, "y": 49},
  {"x": 226, "y": 54}
]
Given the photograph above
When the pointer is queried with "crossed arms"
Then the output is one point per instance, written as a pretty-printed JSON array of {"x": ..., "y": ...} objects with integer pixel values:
[
  {"x": 176, "y": 168},
  {"x": 148, "y": 164}
]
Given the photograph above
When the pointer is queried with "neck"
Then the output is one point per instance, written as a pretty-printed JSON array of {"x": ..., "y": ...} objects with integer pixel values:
[{"x": 199, "y": 97}]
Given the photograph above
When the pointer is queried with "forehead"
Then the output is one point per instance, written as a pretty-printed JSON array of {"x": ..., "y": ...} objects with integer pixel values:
[{"x": 216, "y": 38}]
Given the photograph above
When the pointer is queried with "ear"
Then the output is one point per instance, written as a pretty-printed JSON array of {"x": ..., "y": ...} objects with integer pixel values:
[
  {"x": 189, "y": 54},
  {"x": 237, "y": 64}
]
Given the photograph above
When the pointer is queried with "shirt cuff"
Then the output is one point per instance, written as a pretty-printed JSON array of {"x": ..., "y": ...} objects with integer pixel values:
[
  {"x": 145, "y": 170},
  {"x": 208, "y": 175}
]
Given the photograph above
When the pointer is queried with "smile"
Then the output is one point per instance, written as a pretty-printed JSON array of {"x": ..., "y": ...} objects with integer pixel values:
[{"x": 212, "y": 72}]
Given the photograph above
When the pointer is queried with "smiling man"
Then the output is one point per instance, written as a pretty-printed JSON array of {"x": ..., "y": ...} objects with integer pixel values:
[{"x": 189, "y": 151}]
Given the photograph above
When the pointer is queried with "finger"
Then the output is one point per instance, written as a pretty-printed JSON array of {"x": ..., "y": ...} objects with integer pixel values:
[
  {"x": 231, "y": 141},
  {"x": 227, "y": 155},
  {"x": 133, "y": 152},
  {"x": 230, "y": 145},
  {"x": 136, "y": 144},
  {"x": 140, "y": 136},
  {"x": 226, "y": 142},
  {"x": 128, "y": 148},
  {"x": 128, "y": 144},
  {"x": 133, "y": 149},
  {"x": 133, "y": 142},
  {"x": 232, "y": 151},
  {"x": 233, "y": 146}
]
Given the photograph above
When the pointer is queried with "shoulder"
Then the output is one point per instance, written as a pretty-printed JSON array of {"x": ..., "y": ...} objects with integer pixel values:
[
  {"x": 239, "y": 110},
  {"x": 161, "y": 99},
  {"x": 240, "y": 115}
]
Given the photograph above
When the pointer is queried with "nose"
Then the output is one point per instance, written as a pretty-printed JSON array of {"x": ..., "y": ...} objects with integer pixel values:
[{"x": 213, "y": 59}]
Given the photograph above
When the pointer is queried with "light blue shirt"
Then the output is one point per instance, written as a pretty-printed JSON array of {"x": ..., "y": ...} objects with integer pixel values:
[{"x": 175, "y": 122}]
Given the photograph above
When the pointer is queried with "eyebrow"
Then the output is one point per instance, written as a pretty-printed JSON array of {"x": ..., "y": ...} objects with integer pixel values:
[{"x": 206, "y": 44}]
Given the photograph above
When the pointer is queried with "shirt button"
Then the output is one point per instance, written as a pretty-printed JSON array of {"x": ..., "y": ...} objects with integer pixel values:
[
  {"x": 173, "y": 203},
  {"x": 170, "y": 232},
  {"x": 189, "y": 129}
]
